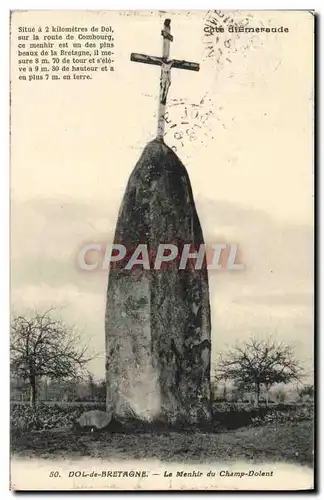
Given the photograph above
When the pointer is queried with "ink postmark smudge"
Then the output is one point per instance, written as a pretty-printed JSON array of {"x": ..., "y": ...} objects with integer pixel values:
[
  {"x": 221, "y": 36},
  {"x": 232, "y": 39},
  {"x": 188, "y": 124}
]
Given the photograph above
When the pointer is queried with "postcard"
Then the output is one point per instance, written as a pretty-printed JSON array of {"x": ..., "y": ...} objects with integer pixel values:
[{"x": 162, "y": 250}]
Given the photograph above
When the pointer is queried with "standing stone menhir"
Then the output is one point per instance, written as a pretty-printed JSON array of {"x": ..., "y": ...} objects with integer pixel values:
[{"x": 158, "y": 320}]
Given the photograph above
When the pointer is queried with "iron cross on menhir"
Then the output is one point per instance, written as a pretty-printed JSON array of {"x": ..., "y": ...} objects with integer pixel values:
[{"x": 166, "y": 65}]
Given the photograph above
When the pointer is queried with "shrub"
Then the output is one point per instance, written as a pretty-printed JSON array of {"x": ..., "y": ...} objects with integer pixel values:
[
  {"x": 226, "y": 415},
  {"x": 47, "y": 416},
  {"x": 232, "y": 416}
]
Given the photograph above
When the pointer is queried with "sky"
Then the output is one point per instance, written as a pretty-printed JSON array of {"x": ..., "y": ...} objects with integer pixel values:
[{"x": 248, "y": 150}]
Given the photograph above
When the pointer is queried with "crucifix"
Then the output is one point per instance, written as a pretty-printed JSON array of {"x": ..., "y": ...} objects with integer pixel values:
[{"x": 166, "y": 65}]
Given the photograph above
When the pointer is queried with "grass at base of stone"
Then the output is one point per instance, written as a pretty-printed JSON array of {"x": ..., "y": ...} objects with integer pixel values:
[{"x": 289, "y": 442}]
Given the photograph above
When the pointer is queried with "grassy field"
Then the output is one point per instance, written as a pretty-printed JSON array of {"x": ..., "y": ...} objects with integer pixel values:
[{"x": 290, "y": 442}]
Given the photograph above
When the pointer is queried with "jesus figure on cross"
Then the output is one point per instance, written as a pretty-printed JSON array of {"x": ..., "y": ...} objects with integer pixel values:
[{"x": 166, "y": 65}]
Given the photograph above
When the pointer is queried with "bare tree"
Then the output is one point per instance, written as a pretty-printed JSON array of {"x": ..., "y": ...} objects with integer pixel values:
[
  {"x": 259, "y": 363},
  {"x": 44, "y": 346}
]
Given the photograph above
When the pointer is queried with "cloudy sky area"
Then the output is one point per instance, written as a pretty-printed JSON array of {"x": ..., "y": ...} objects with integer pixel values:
[{"x": 74, "y": 145}]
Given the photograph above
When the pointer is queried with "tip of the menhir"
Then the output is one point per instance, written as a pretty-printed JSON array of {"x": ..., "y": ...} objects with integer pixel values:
[{"x": 156, "y": 148}]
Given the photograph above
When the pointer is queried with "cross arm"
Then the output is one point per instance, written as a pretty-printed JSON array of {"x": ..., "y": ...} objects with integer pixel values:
[
  {"x": 142, "y": 58},
  {"x": 157, "y": 61},
  {"x": 185, "y": 65}
]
